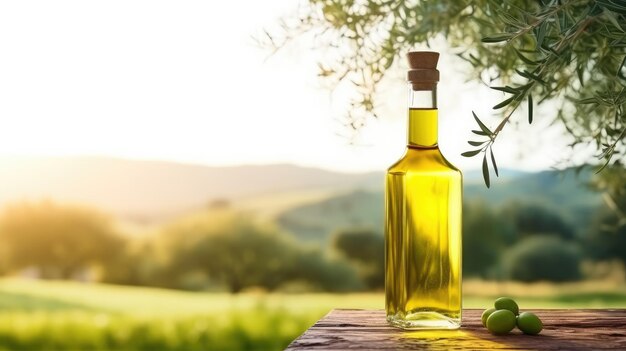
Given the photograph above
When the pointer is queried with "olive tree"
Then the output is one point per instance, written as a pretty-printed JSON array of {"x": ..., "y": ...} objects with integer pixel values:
[{"x": 570, "y": 52}]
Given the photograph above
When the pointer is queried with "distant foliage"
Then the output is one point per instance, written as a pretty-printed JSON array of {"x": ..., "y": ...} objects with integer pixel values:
[
  {"x": 316, "y": 222},
  {"x": 485, "y": 235},
  {"x": 365, "y": 247},
  {"x": 235, "y": 251},
  {"x": 221, "y": 249},
  {"x": 139, "y": 263},
  {"x": 613, "y": 188},
  {"x": 542, "y": 257},
  {"x": 531, "y": 219},
  {"x": 324, "y": 274},
  {"x": 606, "y": 237},
  {"x": 58, "y": 241}
]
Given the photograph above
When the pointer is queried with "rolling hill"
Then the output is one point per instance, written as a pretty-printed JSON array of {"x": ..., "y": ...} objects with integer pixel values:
[
  {"x": 148, "y": 189},
  {"x": 565, "y": 192},
  {"x": 307, "y": 201}
]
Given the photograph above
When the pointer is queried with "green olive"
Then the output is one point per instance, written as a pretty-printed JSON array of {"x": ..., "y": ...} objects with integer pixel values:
[
  {"x": 507, "y": 303},
  {"x": 486, "y": 315},
  {"x": 501, "y": 322},
  {"x": 529, "y": 323}
]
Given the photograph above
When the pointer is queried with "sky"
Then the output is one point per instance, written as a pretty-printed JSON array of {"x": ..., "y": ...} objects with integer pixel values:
[{"x": 184, "y": 81}]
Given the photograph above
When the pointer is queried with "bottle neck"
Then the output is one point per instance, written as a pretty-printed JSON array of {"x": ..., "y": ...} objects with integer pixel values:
[{"x": 422, "y": 131}]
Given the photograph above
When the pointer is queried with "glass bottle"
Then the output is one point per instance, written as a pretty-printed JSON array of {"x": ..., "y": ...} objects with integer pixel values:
[{"x": 423, "y": 203}]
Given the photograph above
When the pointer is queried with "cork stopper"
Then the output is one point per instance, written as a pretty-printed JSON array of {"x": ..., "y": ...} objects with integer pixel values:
[{"x": 423, "y": 73}]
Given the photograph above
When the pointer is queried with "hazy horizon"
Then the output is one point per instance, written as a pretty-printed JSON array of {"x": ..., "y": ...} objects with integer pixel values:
[
  {"x": 156, "y": 187},
  {"x": 18, "y": 157}
]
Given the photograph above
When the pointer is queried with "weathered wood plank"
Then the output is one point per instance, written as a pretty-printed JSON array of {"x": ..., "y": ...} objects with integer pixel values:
[{"x": 563, "y": 330}]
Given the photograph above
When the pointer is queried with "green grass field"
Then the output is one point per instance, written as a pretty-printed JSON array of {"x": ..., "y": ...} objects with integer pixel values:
[{"x": 37, "y": 315}]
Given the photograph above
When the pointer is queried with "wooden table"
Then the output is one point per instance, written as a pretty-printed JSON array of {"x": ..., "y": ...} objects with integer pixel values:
[{"x": 563, "y": 330}]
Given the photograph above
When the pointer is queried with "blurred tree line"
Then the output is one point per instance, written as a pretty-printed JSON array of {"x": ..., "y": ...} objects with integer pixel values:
[
  {"x": 220, "y": 249},
  {"x": 60, "y": 242},
  {"x": 226, "y": 250}
]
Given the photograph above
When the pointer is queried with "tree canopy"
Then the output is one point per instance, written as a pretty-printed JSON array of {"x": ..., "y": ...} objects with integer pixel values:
[
  {"x": 365, "y": 247},
  {"x": 571, "y": 52},
  {"x": 235, "y": 250},
  {"x": 58, "y": 240}
]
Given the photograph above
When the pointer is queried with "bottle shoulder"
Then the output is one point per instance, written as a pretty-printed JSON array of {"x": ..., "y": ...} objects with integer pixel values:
[{"x": 416, "y": 160}]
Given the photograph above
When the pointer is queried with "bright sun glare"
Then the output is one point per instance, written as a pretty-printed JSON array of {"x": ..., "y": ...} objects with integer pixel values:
[{"x": 185, "y": 82}]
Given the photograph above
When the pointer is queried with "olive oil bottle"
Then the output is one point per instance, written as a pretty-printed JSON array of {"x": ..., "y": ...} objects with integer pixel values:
[{"x": 423, "y": 198}]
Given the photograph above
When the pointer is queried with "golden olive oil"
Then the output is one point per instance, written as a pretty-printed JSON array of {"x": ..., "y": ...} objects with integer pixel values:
[{"x": 423, "y": 198}]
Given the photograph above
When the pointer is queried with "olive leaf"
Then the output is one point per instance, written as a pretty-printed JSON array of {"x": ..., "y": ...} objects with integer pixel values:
[
  {"x": 530, "y": 109},
  {"x": 616, "y": 6},
  {"x": 493, "y": 161},
  {"x": 504, "y": 103},
  {"x": 486, "y": 171},
  {"x": 496, "y": 38},
  {"x": 506, "y": 89},
  {"x": 482, "y": 126},
  {"x": 541, "y": 33},
  {"x": 470, "y": 153}
]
